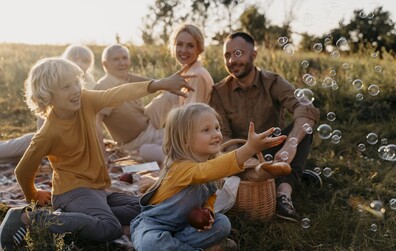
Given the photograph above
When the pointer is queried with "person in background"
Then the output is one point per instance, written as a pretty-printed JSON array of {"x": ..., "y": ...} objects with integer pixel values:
[
  {"x": 186, "y": 45},
  {"x": 68, "y": 138},
  {"x": 132, "y": 124},
  {"x": 248, "y": 94},
  {"x": 84, "y": 58},
  {"x": 12, "y": 150},
  {"x": 192, "y": 142}
]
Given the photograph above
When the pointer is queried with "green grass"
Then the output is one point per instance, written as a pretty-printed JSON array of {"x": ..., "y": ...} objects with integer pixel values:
[{"x": 336, "y": 223}]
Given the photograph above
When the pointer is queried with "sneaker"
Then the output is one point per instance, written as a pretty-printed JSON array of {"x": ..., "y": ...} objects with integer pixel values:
[
  {"x": 12, "y": 229},
  {"x": 311, "y": 178},
  {"x": 285, "y": 208},
  {"x": 225, "y": 245}
]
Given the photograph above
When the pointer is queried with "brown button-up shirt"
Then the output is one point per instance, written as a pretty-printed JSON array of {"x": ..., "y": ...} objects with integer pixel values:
[{"x": 263, "y": 104}]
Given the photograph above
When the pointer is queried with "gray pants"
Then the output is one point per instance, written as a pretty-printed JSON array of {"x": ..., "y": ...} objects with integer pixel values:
[{"x": 92, "y": 214}]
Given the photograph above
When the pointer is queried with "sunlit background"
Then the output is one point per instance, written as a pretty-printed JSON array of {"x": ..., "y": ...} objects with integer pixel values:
[{"x": 100, "y": 21}]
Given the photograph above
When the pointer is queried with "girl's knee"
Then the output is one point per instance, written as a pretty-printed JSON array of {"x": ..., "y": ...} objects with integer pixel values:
[{"x": 222, "y": 225}]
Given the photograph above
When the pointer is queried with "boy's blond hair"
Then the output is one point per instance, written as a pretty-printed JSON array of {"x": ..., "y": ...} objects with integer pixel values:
[
  {"x": 193, "y": 30},
  {"x": 181, "y": 125},
  {"x": 43, "y": 79}
]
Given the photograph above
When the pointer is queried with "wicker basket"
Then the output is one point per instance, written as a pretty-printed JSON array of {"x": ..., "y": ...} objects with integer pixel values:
[{"x": 257, "y": 199}]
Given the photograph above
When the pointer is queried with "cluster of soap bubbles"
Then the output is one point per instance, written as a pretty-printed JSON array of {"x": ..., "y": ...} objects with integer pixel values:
[
  {"x": 287, "y": 47},
  {"x": 385, "y": 151}
]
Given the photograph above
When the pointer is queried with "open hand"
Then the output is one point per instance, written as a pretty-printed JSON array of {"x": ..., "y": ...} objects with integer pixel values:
[{"x": 173, "y": 84}]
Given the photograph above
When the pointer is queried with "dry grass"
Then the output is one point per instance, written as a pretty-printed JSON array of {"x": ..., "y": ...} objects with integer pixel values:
[{"x": 358, "y": 177}]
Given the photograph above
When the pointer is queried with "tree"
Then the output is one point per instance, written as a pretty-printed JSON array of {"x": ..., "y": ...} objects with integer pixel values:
[
  {"x": 254, "y": 23},
  {"x": 374, "y": 29}
]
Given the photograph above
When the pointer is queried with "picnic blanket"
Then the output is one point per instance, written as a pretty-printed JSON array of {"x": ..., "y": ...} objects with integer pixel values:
[{"x": 12, "y": 195}]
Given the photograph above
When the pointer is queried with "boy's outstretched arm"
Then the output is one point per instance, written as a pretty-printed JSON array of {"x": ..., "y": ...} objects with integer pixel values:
[
  {"x": 172, "y": 84},
  {"x": 256, "y": 143}
]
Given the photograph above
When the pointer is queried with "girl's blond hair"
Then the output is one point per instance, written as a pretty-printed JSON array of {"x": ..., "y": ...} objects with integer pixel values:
[
  {"x": 181, "y": 125},
  {"x": 193, "y": 30},
  {"x": 43, "y": 79}
]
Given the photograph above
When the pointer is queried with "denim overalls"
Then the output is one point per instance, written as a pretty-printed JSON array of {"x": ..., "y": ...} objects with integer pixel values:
[{"x": 165, "y": 226}]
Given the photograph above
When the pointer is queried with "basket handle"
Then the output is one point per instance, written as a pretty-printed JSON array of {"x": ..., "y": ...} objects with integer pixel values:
[{"x": 240, "y": 141}]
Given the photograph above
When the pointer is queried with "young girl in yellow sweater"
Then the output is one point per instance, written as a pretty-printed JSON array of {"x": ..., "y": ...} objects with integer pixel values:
[{"x": 191, "y": 144}]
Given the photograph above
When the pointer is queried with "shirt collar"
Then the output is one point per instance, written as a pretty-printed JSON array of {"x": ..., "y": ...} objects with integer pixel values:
[{"x": 234, "y": 82}]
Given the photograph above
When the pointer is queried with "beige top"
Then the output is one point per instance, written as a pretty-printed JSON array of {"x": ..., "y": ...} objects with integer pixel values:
[
  {"x": 127, "y": 121},
  {"x": 202, "y": 84}
]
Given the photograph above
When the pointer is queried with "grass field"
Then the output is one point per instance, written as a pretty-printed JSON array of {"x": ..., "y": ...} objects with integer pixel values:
[{"x": 340, "y": 214}]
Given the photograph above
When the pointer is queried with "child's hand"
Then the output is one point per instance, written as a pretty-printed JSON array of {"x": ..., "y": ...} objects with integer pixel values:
[
  {"x": 262, "y": 141},
  {"x": 210, "y": 224},
  {"x": 256, "y": 143},
  {"x": 172, "y": 84},
  {"x": 43, "y": 197}
]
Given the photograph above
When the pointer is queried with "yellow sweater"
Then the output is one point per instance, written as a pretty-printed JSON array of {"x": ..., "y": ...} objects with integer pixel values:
[
  {"x": 185, "y": 173},
  {"x": 72, "y": 146}
]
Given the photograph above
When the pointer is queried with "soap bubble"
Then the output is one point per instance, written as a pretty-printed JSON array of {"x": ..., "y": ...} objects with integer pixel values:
[
  {"x": 325, "y": 131},
  {"x": 304, "y": 96},
  {"x": 289, "y": 49},
  {"x": 372, "y": 138},
  {"x": 374, "y": 55},
  {"x": 293, "y": 142},
  {"x": 358, "y": 84},
  {"x": 376, "y": 205},
  {"x": 360, "y": 208},
  {"x": 359, "y": 97},
  {"x": 345, "y": 66},
  {"x": 335, "y": 54},
  {"x": 342, "y": 44},
  {"x": 373, "y": 227},
  {"x": 362, "y": 147},
  {"x": 328, "y": 82},
  {"x": 387, "y": 152},
  {"x": 333, "y": 73},
  {"x": 338, "y": 133},
  {"x": 384, "y": 141},
  {"x": 283, "y": 40},
  {"x": 327, "y": 40},
  {"x": 335, "y": 139},
  {"x": 327, "y": 172},
  {"x": 305, "y": 223},
  {"x": 277, "y": 132},
  {"x": 377, "y": 68},
  {"x": 309, "y": 79},
  {"x": 318, "y": 47},
  {"x": 373, "y": 90},
  {"x": 392, "y": 204},
  {"x": 331, "y": 116},
  {"x": 304, "y": 64},
  {"x": 318, "y": 170},
  {"x": 268, "y": 157},
  {"x": 284, "y": 155}
]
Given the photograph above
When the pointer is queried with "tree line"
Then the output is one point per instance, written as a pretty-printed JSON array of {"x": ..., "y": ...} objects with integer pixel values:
[{"x": 374, "y": 30}]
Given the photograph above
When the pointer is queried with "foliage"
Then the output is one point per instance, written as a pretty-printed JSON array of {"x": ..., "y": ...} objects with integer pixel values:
[
  {"x": 373, "y": 29},
  {"x": 336, "y": 223}
]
